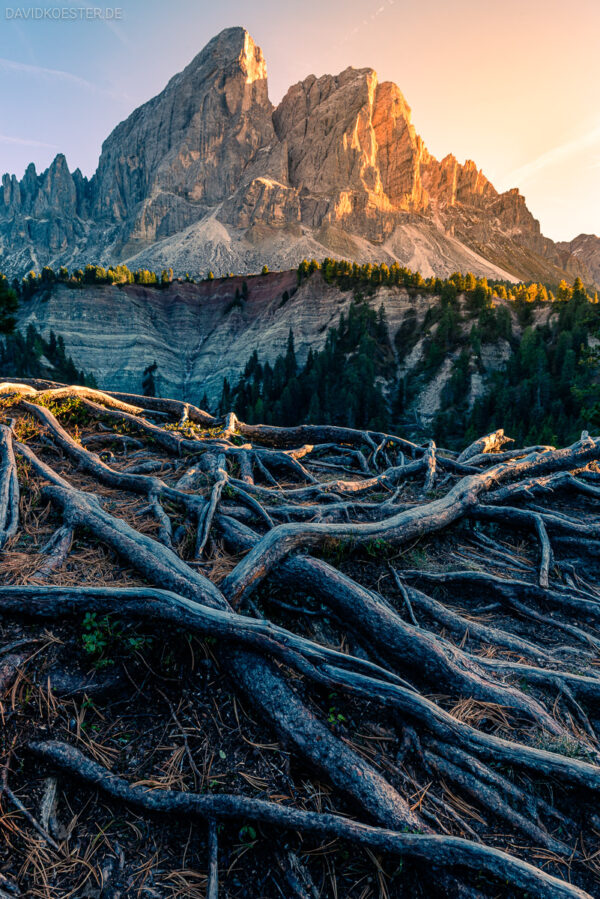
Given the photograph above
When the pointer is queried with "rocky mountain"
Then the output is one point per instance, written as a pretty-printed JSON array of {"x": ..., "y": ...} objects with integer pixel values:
[
  {"x": 209, "y": 175},
  {"x": 583, "y": 250}
]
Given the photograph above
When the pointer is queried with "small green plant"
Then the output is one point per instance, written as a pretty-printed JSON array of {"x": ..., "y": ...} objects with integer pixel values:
[
  {"x": 95, "y": 634},
  {"x": 71, "y": 410},
  {"x": 335, "y": 717},
  {"x": 25, "y": 428},
  {"x": 102, "y": 637},
  {"x": 247, "y": 834},
  {"x": 563, "y": 745},
  {"x": 378, "y": 548},
  {"x": 137, "y": 642}
]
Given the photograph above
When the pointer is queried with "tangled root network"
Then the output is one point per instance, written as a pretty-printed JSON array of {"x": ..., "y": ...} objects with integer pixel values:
[{"x": 240, "y": 660}]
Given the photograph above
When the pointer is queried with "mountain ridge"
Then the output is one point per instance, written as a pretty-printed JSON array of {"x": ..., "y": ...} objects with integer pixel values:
[{"x": 209, "y": 174}]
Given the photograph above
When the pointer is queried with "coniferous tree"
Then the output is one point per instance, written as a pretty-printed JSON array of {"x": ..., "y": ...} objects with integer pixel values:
[
  {"x": 9, "y": 304},
  {"x": 149, "y": 380}
]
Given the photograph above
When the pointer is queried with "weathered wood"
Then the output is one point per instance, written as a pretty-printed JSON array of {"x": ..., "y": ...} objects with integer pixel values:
[
  {"x": 256, "y": 676},
  {"x": 212, "y": 891},
  {"x": 354, "y": 487},
  {"x": 485, "y": 445},
  {"x": 460, "y": 500},
  {"x": 9, "y": 487},
  {"x": 57, "y": 550},
  {"x": 440, "y": 851}
]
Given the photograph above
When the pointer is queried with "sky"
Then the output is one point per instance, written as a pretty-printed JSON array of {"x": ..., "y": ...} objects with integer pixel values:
[{"x": 512, "y": 84}]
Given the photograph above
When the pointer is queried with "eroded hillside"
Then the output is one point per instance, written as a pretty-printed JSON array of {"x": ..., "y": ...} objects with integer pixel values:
[{"x": 337, "y": 343}]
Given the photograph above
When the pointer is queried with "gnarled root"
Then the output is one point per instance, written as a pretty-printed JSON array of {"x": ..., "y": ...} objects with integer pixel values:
[{"x": 466, "y": 715}]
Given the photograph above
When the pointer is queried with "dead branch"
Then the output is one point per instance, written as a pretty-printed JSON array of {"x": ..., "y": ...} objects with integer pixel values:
[{"x": 9, "y": 487}]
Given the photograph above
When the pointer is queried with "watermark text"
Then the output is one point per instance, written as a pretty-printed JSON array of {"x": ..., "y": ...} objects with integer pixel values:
[{"x": 64, "y": 13}]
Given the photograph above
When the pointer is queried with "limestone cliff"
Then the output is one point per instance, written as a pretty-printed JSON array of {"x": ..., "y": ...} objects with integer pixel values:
[
  {"x": 209, "y": 175},
  {"x": 584, "y": 250},
  {"x": 185, "y": 151}
]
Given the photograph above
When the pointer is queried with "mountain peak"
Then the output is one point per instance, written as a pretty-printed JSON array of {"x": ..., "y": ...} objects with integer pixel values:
[
  {"x": 184, "y": 151},
  {"x": 232, "y": 46},
  {"x": 210, "y": 166}
]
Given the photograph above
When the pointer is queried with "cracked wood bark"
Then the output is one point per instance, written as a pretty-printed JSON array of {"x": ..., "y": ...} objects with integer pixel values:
[
  {"x": 437, "y": 850},
  {"x": 9, "y": 487},
  {"x": 410, "y": 648},
  {"x": 378, "y": 629},
  {"x": 41, "y": 602}
]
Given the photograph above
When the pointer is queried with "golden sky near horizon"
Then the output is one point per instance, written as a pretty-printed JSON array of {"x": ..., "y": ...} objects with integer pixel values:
[{"x": 513, "y": 85}]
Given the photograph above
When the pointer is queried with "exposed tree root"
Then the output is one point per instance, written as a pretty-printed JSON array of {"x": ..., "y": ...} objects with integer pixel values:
[
  {"x": 459, "y": 728},
  {"x": 9, "y": 487},
  {"x": 439, "y": 851}
]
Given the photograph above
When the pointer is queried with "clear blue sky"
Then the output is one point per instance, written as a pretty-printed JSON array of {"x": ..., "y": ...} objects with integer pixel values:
[{"x": 512, "y": 84}]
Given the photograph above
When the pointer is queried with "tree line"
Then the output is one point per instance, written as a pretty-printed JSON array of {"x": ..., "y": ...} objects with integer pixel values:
[
  {"x": 98, "y": 274},
  {"x": 546, "y": 391},
  {"x": 348, "y": 275},
  {"x": 29, "y": 355}
]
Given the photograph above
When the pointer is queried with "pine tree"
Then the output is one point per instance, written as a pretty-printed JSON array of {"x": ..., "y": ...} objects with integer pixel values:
[
  {"x": 148, "y": 380},
  {"x": 290, "y": 357},
  {"x": 9, "y": 304},
  {"x": 226, "y": 398}
]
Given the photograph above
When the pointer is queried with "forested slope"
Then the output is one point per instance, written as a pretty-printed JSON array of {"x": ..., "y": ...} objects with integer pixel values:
[
  {"x": 478, "y": 357},
  {"x": 368, "y": 346}
]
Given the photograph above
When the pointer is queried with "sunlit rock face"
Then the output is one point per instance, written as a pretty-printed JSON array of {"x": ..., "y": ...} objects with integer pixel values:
[
  {"x": 185, "y": 151},
  {"x": 353, "y": 154},
  {"x": 208, "y": 175},
  {"x": 583, "y": 251}
]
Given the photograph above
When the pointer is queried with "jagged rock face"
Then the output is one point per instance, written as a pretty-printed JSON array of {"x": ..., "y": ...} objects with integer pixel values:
[
  {"x": 208, "y": 175},
  {"x": 55, "y": 192},
  {"x": 400, "y": 151},
  {"x": 185, "y": 151},
  {"x": 42, "y": 217},
  {"x": 353, "y": 153},
  {"x": 583, "y": 252},
  {"x": 450, "y": 184},
  {"x": 327, "y": 125}
]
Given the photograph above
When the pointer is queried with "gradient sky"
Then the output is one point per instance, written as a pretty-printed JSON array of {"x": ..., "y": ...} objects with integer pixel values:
[{"x": 512, "y": 84}]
